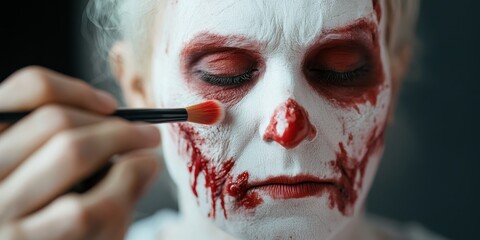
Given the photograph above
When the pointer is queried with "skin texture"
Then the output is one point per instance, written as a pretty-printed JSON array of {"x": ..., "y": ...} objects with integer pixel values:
[
  {"x": 64, "y": 140},
  {"x": 285, "y": 44}
]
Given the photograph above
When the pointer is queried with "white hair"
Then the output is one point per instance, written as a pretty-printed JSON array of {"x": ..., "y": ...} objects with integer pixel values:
[
  {"x": 132, "y": 20},
  {"x": 123, "y": 20}
]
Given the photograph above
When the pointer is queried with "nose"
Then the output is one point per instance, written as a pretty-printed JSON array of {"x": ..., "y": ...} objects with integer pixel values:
[{"x": 289, "y": 125}]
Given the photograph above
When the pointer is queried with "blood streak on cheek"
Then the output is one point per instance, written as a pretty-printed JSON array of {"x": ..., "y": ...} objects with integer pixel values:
[
  {"x": 378, "y": 9},
  {"x": 218, "y": 180},
  {"x": 361, "y": 36},
  {"x": 345, "y": 194},
  {"x": 236, "y": 51}
]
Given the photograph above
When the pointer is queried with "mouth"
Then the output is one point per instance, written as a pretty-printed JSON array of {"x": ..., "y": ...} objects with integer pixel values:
[{"x": 291, "y": 187}]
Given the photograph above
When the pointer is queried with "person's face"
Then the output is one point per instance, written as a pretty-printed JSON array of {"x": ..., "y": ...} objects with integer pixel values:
[{"x": 306, "y": 89}]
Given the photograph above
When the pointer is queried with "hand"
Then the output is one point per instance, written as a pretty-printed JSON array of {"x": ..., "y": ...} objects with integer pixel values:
[{"x": 65, "y": 139}]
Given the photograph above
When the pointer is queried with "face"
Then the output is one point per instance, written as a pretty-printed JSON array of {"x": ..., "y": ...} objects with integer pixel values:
[{"x": 306, "y": 90}]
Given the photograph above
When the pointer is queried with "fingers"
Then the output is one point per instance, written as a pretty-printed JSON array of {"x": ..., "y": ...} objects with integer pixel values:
[
  {"x": 32, "y": 87},
  {"x": 68, "y": 158},
  {"x": 104, "y": 213},
  {"x": 128, "y": 178},
  {"x": 34, "y": 131}
]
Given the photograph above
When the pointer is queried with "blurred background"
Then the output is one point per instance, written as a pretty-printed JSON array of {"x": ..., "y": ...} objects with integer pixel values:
[{"x": 429, "y": 173}]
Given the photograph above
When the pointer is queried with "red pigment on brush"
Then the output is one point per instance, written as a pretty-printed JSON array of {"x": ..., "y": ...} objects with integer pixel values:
[
  {"x": 290, "y": 125},
  {"x": 218, "y": 180},
  {"x": 229, "y": 55},
  {"x": 345, "y": 194},
  {"x": 355, "y": 44}
]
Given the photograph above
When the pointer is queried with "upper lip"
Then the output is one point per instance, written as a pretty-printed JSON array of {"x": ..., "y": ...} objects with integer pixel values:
[{"x": 290, "y": 180}]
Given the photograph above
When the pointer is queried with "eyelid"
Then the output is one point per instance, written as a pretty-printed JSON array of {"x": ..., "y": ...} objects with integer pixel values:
[
  {"x": 340, "y": 57},
  {"x": 229, "y": 63}
]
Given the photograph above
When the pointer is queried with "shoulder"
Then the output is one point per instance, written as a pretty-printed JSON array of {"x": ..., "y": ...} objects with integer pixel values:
[
  {"x": 151, "y": 227},
  {"x": 389, "y": 229}
]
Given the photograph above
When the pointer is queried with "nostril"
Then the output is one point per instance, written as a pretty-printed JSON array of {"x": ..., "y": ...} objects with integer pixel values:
[{"x": 289, "y": 125}]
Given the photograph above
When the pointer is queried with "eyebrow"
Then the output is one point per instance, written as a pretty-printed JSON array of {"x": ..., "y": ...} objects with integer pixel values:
[
  {"x": 363, "y": 30},
  {"x": 206, "y": 42}
]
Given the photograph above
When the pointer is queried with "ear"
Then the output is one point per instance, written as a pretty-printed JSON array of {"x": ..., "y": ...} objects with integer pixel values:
[
  {"x": 134, "y": 85},
  {"x": 400, "y": 64}
]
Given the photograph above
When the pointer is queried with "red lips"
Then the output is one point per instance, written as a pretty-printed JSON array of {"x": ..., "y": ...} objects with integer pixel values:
[{"x": 286, "y": 187}]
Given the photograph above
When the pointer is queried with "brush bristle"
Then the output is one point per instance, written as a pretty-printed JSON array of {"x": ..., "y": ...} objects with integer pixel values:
[{"x": 210, "y": 112}]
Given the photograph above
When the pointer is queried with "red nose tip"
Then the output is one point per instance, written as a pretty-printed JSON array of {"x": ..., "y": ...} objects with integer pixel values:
[{"x": 289, "y": 125}]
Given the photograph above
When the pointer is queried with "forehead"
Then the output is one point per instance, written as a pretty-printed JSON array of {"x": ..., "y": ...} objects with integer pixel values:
[{"x": 298, "y": 21}]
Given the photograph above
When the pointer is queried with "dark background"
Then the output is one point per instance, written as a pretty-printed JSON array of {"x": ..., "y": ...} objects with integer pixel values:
[{"x": 430, "y": 170}]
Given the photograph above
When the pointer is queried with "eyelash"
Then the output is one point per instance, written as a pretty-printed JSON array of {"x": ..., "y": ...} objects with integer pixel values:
[
  {"x": 339, "y": 78},
  {"x": 226, "y": 81},
  {"x": 327, "y": 76}
]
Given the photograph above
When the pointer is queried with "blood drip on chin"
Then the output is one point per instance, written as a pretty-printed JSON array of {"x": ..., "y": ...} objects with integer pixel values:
[
  {"x": 345, "y": 194},
  {"x": 237, "y": 188}
]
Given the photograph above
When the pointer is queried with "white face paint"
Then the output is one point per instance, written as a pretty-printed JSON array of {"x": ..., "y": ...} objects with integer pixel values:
[{"x": 307, "y": 92}]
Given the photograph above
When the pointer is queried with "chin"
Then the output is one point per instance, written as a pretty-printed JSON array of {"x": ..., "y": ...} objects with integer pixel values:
[{"x": 306, "y": 218}]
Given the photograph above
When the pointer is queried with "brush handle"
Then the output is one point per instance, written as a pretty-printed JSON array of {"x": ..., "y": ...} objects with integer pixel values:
[{"x": 142, "y": 115}]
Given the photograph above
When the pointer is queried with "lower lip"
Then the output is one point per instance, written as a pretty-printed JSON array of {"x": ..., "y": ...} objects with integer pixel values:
[{"x": 289, "y": 191}]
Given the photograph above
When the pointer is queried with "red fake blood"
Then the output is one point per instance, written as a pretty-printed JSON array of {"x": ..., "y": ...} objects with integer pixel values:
[
  {"x": 355, "y": 46},
  {"x": 237, "y": 188},
  {"x": 290, "y": 125},
  {"x": 215, "y": 178},
  {"x": 344, "y": 196},
  {"x": 350, "y": 139},
  {"x": 221, "y": 56},
  {"x": 378, "y": 9}
]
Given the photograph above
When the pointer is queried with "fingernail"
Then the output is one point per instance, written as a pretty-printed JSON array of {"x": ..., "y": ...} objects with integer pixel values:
[
  {"x": 149, "y": 133},
  {"x": 106, "y": 100}
]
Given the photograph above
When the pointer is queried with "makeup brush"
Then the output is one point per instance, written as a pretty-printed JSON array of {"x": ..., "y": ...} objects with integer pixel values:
[{"x": 209, "y": 113}]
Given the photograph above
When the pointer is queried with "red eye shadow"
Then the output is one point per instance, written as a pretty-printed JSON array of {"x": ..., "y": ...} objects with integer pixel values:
[
  {"x": 231, "y": 54},
  {"x": 228, "y": 63},
  {"x": 360, "y": 40}
]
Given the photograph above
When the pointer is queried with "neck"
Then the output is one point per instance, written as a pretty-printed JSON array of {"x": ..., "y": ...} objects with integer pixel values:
[
  {"x": 197, "y": 226},
  {"x": 356, "y": 228}
]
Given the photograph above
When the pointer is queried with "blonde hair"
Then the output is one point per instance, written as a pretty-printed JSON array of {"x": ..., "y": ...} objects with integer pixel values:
[{"x": 132, "y": 20}]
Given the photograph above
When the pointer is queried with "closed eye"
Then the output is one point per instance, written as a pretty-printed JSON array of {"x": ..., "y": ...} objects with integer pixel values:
[
  {"x": 226, "y": 80},
  {"x": 332, "y": 77}
]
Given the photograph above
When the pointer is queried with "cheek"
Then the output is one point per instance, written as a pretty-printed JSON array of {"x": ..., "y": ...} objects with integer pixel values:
[
  {"x": 358, "y": 150},
  {"x": 209, "y": 172},
  {"x": 351, "y": 167}
]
